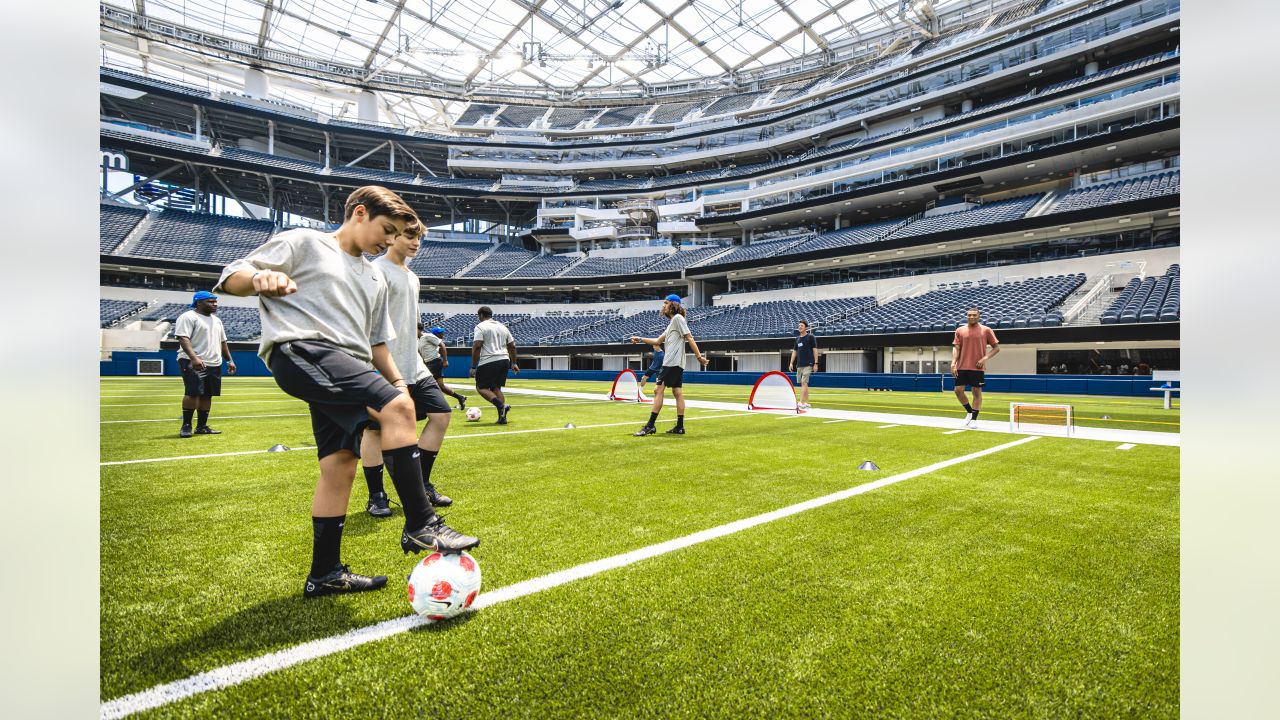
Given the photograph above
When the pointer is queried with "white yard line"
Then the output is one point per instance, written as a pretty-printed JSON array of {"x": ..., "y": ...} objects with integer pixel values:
[
  {"x": 634, "y": 423},
  {"x": 1143, "y": 437},
  {"x": 177, "y": 399},
  {"x": 886, "y": 427},
  {"x": 215, "y": 418},
  {"x": 828, "y": 422},
  {"x": 953, "y": 432},
  {"x": 1126, "y": 446},
  {"x": 246, "y": 670}
]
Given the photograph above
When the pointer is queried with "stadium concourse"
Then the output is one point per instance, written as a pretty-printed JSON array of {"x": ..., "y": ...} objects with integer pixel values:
[{"x": 985, "y": 531}]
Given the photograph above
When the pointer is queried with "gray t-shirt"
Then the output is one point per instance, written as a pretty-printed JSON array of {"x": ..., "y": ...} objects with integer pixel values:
[
  {"x": 206, "y": 334},
  {"x": 402, "y": 305},
  {"x": 341, "y": 299},
  {"x": 429, "y": 347},
  {"x": 673, "y": 343},
  {"x": 495, "y": 337}
]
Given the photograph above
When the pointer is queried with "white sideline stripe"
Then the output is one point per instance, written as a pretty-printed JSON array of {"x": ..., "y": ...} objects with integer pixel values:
[
  {"x": 177, "y": 398},
  {"x": 246, "y": 670},
  {"x": 1126, "y": 446},
  {"x": 788, "y": 417},
  {"x": 1143, "y": 437},
  {"x": 886, "y": 427},
  {"x": 216, "y": 418},
  {"x": 953, "y": 432},
  {"x": 447, "y": 437},
  {"x": 828, "y": 422}
]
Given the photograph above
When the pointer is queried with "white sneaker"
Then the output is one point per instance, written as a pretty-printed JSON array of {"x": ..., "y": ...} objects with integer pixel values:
[{"x": 970, "y": 420}]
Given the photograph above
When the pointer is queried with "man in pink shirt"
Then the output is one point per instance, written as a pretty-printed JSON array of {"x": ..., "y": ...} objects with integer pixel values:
[{"x": 969, "y": 356}]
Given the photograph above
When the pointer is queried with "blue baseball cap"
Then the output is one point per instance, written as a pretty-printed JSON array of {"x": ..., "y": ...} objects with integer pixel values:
[
  {"x": 673, "y": 298},
  {"x": 437, "y": 330},
  {"x": 202, "y": 295}
]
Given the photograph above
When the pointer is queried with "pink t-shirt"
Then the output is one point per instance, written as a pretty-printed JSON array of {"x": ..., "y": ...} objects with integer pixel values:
[{"x": 973, "y": 342}]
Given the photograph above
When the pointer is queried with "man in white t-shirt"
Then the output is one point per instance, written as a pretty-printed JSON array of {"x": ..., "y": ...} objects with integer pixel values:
[
  {"x": 203, "y": 346},
  {"x": 493, "y": 353},
  {"x": 435, "y": 353},
  {"x": 672, "y": 375}
]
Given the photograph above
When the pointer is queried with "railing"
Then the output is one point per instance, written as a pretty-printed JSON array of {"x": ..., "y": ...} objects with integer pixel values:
[{"x": 1089, "y": 298}]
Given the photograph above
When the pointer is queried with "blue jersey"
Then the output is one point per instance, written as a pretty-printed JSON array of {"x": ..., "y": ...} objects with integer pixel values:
[{"x": 656, "y": 364}]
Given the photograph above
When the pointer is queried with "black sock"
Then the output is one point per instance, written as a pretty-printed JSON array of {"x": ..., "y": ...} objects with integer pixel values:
[
  {"x": 653, "y": 418},
  {"x": 406, "y": 474},
  {"x": 202, "y": 416},
  {"x": 679, "y": 421},
  {"x": 373, "y": 478},
  {"x": 326, "y": 544},
  {"x": 975, "y": 414},
  {"x": 427, "y": 460},
  {"x": 968, "y": 407},
  {"x": 186, "y": 416},
  {"x": 496, "y": 403}
]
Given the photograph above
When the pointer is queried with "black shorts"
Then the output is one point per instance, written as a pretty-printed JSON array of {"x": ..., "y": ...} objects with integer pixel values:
[
  {"x": 436, "y": 368},
  {"x": 200, "y": 384},
  {"x": 970, "y": 378},
  {"x": 427, "y": 399},
  {"x": 652, "y": 372},
  {"x": 671, "y": 376},
  {"x": 337, "y": 387},
  {"x": 492, "y": 374}
]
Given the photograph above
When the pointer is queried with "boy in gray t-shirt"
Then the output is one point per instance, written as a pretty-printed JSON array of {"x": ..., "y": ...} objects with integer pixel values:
[
  {"x": 324, "y": 329},
  {"x": 672, "y": 374}
]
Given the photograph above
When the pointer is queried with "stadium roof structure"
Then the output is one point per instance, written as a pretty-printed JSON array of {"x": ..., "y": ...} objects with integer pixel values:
[{"x": 532, "y": 51}]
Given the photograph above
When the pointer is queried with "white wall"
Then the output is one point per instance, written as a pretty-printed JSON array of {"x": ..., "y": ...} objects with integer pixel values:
[
  {"x": 1157, "y": 261},
  {"x": 758, "y": 362},
  {"x": 1013, "y": 359}
]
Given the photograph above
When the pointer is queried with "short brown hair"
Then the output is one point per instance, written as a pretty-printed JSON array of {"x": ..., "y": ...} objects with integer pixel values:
[
  {"x": 378, "y": 200},
  {"x": 413, "y": 228}
]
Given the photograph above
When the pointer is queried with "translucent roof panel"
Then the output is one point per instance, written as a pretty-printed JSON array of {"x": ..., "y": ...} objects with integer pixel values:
[{"x": 567, "y": 45}]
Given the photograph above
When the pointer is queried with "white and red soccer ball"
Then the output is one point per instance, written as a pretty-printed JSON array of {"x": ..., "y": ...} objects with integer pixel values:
[
  {"x": 473, "y": 414},
  {"x": 443, "y": 585}
]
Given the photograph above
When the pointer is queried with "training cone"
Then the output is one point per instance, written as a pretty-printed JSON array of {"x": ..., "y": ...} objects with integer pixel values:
[
  {"x": 1106, "y": 417},
  {"x": 569, "y": 426},
  {"x": 278, "y": 448},
  {"x": 868, "y": 465}
]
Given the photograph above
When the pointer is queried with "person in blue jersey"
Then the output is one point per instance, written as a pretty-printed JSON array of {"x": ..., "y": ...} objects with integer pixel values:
[{"x": 655, "y": 367}]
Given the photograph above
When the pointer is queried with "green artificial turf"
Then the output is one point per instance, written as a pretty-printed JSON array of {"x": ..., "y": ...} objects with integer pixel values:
[{"x": 1037, "y": 582}]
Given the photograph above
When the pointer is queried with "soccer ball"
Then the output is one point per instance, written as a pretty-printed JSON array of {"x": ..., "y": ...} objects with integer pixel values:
[
  {"x": 441, "y": 586},
  {"x": 473, "y": 414}
]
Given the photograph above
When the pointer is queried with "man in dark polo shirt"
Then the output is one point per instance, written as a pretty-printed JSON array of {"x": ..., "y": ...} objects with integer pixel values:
[{"x": 804, "y": 360}]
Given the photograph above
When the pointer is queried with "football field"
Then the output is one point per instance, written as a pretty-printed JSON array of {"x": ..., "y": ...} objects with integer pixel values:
[{"x": 747, "y": 568}]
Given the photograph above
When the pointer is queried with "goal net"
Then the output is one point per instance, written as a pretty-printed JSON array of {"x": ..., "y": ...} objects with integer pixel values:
[
  {"x": 1041, "y": 419},
  {"x": 773, "y": 391},
  {"x": 626, "y": 387}
]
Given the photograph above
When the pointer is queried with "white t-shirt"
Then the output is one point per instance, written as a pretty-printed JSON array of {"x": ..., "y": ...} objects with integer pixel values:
[
  {"x": 341, "y": 298},
  {"x": 402, "y": 306},
  {"x": 495, "y": 337},
  {"x": 206, "y": 334},
  {"x": 673, "y": 341},
  {"x": 429, "y": 347}
]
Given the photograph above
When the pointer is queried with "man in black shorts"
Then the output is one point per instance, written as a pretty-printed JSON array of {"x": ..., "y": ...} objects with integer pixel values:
[
  {"x": 324, "y": 329},
  {"x": 203, "y": 345},
  {"x": 969, "y": 358},
  {"x": 432, "y": 350},
  {"x": 428, "y": 402},
  {"x": 492, "y": 354},
  {"x": 672, "y": 374}
]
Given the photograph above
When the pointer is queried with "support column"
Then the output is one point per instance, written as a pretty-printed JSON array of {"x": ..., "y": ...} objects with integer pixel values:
[
  {"x": 199, "y": 122},
  {"x": 256, "y": 83},
  {"x": 326, "y": 150},
  {"x": 393, "y": 156},
  {"x": 271, "y": 137},
  {"x": 966, "y": 105},
  {"x": 367, "y": 107},
  {"x": 1090, "y": 68}
]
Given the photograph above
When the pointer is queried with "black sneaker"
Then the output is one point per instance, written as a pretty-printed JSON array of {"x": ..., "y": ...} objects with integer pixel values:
[
  {"x": 340, "y": 581},
  {"x": 502, "y": 420},
  {"x": 379, "y": 505},
  {"x": 185, "y": 431},
  {"x": 502, "y": 416},
  {"x": 677, "y": 430},
  {"x": 646, "y": 430},
  {"x": 462, "y": 403},
  {"x": 437, "y": 500},
  {"x": 435, "y": 536},
  {"x": 206, "y": 430}
]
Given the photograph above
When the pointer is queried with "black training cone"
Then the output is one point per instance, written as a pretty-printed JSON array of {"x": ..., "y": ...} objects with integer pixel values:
[
  {"x": 868, "y": 465},
  {"x": 278, "y": 448}
]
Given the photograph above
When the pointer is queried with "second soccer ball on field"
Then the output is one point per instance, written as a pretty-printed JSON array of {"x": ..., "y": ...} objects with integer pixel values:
[{"x": 473, "y": 414}]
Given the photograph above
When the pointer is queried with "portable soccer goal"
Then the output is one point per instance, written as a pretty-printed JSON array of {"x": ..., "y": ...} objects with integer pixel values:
[
  {"x": 773, "y": 391},
  {"x": 626, "y": 387},
  {"x": 1041, "y": 419}
]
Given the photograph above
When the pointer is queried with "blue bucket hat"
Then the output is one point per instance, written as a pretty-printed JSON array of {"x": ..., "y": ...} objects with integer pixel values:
[
  {"x": 673, "y": 298},
  {"x": 437, "y": 330},
  {"x": 202, "y": 295}
]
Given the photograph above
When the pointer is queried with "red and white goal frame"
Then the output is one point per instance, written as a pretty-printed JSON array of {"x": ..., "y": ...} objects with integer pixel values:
[
  {"x": 774, "y": 391},
  {"x": 626, "y": 387},
  {"x": 1042, "y": 419}
]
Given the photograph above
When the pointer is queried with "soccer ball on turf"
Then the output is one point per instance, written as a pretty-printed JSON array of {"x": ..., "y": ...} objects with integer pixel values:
[
  {"x": 473, "y": 414},
  {"x": 443, "y": 585}
]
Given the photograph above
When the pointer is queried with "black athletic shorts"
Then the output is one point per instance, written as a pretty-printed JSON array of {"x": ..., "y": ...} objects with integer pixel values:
[
  {"x": 337, "y": 387},
  {"x": 492, "y": 374},
  {"x": 970, "y": 378},
  {"x": 200, "y": 384},
  {"x": 671, "y": 376},
  {"x": 427, "y": 397},
  {"x": 436, "y": 368}
]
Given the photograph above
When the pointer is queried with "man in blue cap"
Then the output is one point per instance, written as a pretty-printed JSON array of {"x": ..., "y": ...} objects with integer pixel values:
[
  {"x": 432, "y": 348},
  {"x": 672, "y": 375},
  {"x": 202, "y": 343}
]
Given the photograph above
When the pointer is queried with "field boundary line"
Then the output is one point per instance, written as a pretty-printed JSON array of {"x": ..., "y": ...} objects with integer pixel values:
[
  {"x": 245, "y": 670},
  {"x": 216, "y": 418}
]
